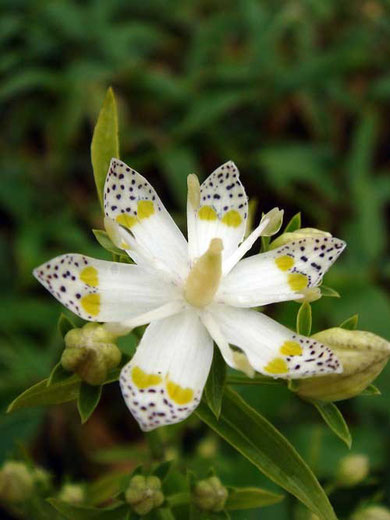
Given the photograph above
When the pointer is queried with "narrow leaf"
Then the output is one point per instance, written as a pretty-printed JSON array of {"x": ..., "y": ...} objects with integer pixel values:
[
  {"x": 104, "y": 240},
  {"x": 351, "y": 323},
  {"x": 73, "y": 512},
  {"x": 64, "y": 324},
  {"x": 371, "y": 390},
  {"x": 161, "y": 470},
  {"x": 304, "y": 319},
  {"x": 58, "y": 374},
  {"x": 216, "y": 383},
  {"x": 335, "y": 420},
  {"x": 88, "y": 399},
  {"x": 263, "y": 445},
  {"x": 329, "y": 292},
  {"x": 105, "y": 143},
  {"x": 250, "y": 498},
  {"x": 294, "y": 224}
]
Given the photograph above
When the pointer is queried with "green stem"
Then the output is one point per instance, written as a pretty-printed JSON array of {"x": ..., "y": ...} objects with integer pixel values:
[
  {"x": 156, "y": 445},
  {"x": 257, "y": 380}
]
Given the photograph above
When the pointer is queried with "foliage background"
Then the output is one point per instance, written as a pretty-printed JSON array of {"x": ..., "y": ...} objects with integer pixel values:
[{"x": 297, "y": 93}]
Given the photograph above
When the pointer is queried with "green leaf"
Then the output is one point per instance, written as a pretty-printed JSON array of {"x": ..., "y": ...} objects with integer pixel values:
[
  {"x": 73, "y": 512},
  {"x": 304, "y": 319},
  {"x": 65, "y": 324},
  {"x": 216, "y": 383},
  {"x": 250, "y": 498},
  {"x": 104, "y": 240},
  {"x": 58, "y": 374},
  {"x": 258, "y": 379},
  {"x": 161, "y": 470},
  {"x": 351, "y": 323},
  {"x": 371, "y": 390},
  {"x": 329, "y": 292},
  {"x": 88, "y": 399},
  {"x": 105, "y": 143},
  {"x": 294, "y": 224},
  {"x": 263, "y": 445},
  {"x": 335, "y": 420}
]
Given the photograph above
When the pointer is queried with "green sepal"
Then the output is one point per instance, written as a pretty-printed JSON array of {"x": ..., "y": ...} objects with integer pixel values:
[
  {"x": 161, "y": 470},
  {"x": 58, "y": 374},
  {"x": 351, "y": 323},
  {"x": 88, "y": 399},
  {"x": 304, "y": 319},
  {"x": 335, "y": 420},
  {"x": 258, "y": 379},
  {"x": 294, "y": 224},
  {"x": 105, "y": 241},
  {"x": 328, "y": 292},
  {"x": 64, "y": 324},
  {"x": 250, "y": 498},
  {"x": 265, "y": 447},
  {"x": 105, "y": 142},
  {"x": 371, "y": 390},
  {"x": 215, "y": 384}
]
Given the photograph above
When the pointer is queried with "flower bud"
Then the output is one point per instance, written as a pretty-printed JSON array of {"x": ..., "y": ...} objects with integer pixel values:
[
  {"x": 16, "y": 482},
  {"x": 210, "y": 494},
  {"x": 90, "y": 352},
  {"x": 363, "y": 356},
  {"x": 372, "y": 513},
  {"x": 144, "y": 494},
  {"x": 352, "y": 470},
  {"x": 275, "y": 220},
  {"x": 285, "y": 238},
  {"x": 42, "y": 479},
  {"x": 72, "y": 494}
]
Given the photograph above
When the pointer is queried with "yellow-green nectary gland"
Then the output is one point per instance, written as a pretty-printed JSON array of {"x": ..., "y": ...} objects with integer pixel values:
[{"x": 203, "y": 280}]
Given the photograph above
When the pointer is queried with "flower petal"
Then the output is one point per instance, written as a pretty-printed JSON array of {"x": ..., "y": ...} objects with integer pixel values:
[
  {"x": 163, "y": 382},
  {"x": 279, "y": 275},
  {"x": 222, "y": 211},
  {"x": 271, "y": 348},
  {"x": 97, "y": 290},
  {"x": 131, "y": 201}
]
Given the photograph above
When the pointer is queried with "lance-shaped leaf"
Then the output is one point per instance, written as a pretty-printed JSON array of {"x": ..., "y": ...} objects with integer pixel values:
[
  {"x": 250, "y": 498},
  {"x": 105, "y": 142},
  {"x": 216, "y": 383},
  {"x": 65, "y": 324},
  {"x": 88, "y": 399},
  {"x": 335, "y": 420},
  {"x": 263, "y": 445},
  {"x": 294, "y": 224},
  {"x": 304, "y": 319}
]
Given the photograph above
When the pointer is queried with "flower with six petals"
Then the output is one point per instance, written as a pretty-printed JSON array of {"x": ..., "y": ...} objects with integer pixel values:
[{"x": 193, "y": 293}]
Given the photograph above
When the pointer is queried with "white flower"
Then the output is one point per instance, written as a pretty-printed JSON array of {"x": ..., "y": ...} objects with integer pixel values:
[{"x": 193, "y": 293}]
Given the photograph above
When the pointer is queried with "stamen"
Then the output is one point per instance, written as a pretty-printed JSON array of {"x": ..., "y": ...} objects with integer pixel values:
[
  {"x": 203, "y": 280},
  {"x": 193, "y": 187}
]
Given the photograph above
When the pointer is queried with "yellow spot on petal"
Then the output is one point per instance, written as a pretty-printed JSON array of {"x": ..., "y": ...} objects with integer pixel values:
[
  {"x": 144, "y": 380},
  {"x": 145, "y": 209},
  {"x": 89, "y": 275},
  {"x": 277, "y": 366},
  {"x": 179, "y": 394},
  {"x": 126, "y": 220},
  {"x": 207, "y": 213},
  {"x": 297, "y": 281},
  {"x": 232, "y": 218},
  {"x": 291, "y": 348},
  {"x": 284, "y": 262},
  {"x": 91, "y": 304}
]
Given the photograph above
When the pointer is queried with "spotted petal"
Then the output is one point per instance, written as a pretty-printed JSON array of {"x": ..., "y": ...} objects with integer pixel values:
[
  {"x": 222, "y": 211},
  {"x": 163, "y": 382},
  {"x": 131, "y": 201},
  {"x": 97, "y": 290},
  {"x": 281, "y": 274},
  {"x": 271, "y": 348}
]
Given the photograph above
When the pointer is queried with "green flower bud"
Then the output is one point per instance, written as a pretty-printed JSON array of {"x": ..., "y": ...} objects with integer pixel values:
[
  {"x": 372, "y": 513},
  {"x": 90, "y": 352},
  {"x": 285, "y": 238},
  {"x": 144, "y": 494},
  {"x": 72, "y": 494},
  {"x": 42, "y": 479},
  {"x": 352, "y": 470},
  {"x": 210, "y": 494},
  {"x": 363, "y": 356},
  {"x": 16, "y": 482}
]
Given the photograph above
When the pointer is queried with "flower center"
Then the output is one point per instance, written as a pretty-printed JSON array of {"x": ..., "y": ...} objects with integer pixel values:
[{"x": 203, "y": 279}]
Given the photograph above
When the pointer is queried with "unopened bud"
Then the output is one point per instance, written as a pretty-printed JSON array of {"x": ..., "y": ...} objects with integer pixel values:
[
  {"x": 285, "y": 238},
  {"x": 72, "y": 494},
  {"x": 275, "y": 220},
  {"x": 210, "y": 494},
  {"x": 372, "y": 513},
  {"x": 352, "y": 470},
  {"x": 144, "y": 494},
  {"x": 363, "y": 356},
  {"x": 90, "y": 352},
  {"x": 16, "y": 482}
]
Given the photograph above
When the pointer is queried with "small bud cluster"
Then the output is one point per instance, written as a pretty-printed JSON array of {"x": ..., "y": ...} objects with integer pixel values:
[
  {"x": 210, "y": 494},
  {"x": 144, "y": 494}
]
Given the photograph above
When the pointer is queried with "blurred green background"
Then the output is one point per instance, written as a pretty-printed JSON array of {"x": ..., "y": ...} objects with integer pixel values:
[{"x": 297, "y": 93}]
